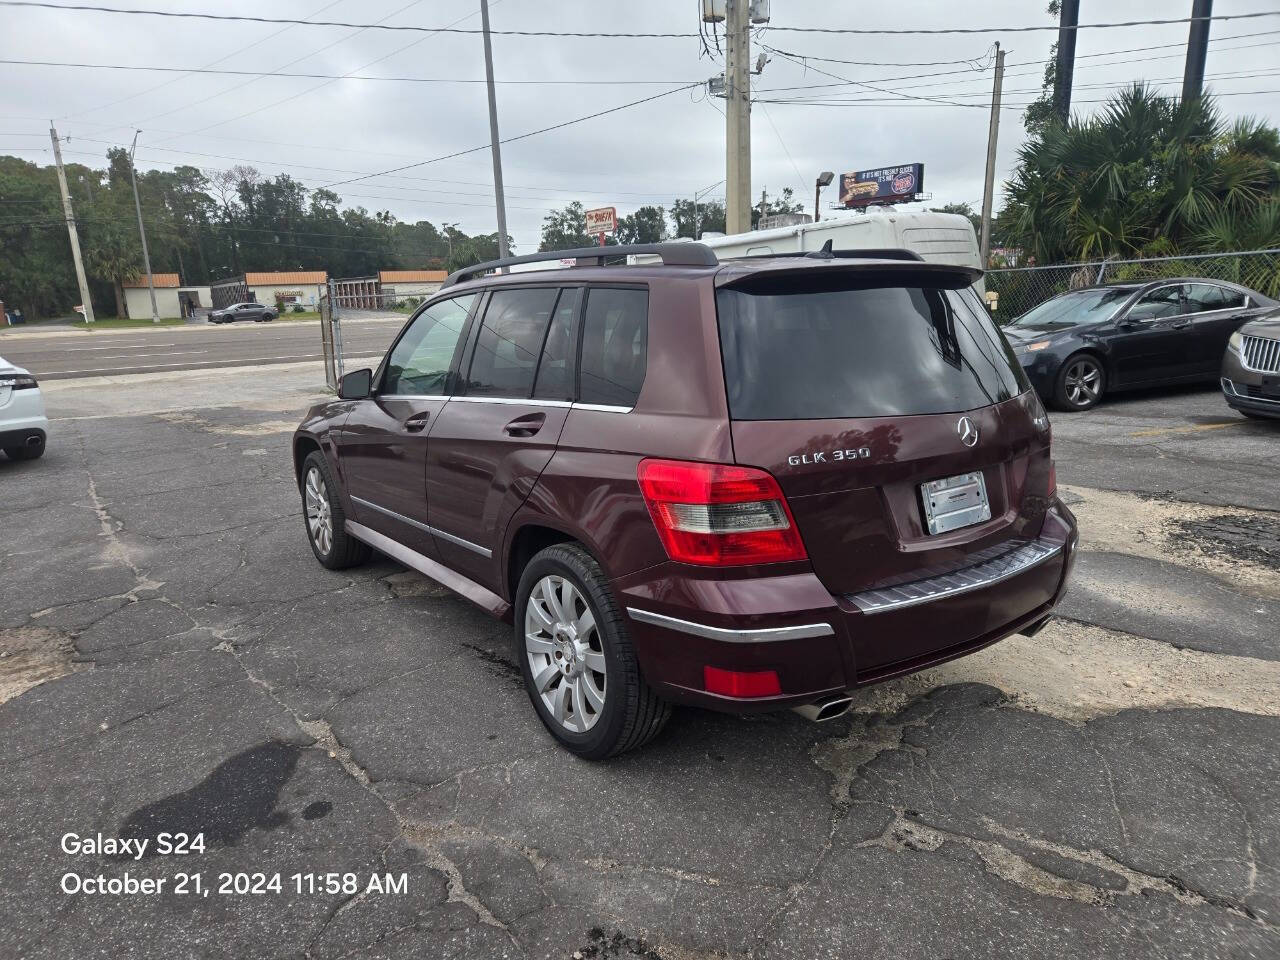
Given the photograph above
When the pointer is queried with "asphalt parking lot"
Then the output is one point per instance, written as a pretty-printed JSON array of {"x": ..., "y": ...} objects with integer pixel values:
[{"x": 173, "y": 659}]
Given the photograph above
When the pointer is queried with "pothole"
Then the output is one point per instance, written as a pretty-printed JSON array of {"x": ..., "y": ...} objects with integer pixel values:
[
  {"x": 1237, "y": 538},
  {"x": 1076, "y": 672},
  {"x": 1238, "y": 546},
  {"x": 33, "y": 655}
]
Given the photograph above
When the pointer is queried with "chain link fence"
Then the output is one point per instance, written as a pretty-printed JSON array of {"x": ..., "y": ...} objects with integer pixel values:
[{"x": 1021, "y": 288}]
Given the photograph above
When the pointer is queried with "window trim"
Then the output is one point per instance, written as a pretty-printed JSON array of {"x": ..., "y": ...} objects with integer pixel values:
[
  {"x": 582, "y": 332},
  {"x": 380, "y": 373},
  {"x": 1226, "y": 290}
]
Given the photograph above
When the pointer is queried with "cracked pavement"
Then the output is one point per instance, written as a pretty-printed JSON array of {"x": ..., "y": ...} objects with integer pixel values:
[{"x": 172, "y": 658}]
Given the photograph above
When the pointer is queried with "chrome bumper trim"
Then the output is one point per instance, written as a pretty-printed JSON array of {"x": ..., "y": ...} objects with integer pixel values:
[
  {"x": 763, "y": 635},
  {"x": 995, "y": 564}
]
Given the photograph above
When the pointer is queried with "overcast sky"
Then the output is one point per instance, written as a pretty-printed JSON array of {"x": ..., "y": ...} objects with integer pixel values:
[{"x": 325, "y": 131}]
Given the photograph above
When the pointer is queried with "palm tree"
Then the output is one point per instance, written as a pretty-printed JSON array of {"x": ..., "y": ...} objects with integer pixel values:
[
  {"x": 1149, "y": 175},
  {"x": 112, "y": 254}
]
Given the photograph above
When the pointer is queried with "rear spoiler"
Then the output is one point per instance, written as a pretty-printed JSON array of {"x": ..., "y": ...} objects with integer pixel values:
[
  {"x": 827, "y": 253},
  {"x": 906, "y": 268}
]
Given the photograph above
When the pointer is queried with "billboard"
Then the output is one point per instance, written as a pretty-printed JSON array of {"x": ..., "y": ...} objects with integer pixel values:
[
  {"x": 882, "y": 185},
  {"x": 602, "y": 220}
]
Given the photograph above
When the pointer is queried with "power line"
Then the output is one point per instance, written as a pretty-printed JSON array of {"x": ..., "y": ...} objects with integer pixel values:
[
  {"x": 868, "y": 31},
  {"x": 403, "y": 28},
  {"x": 521, "y": 136},
  {"x": 877, "y": 31},
  {"x": 325, "y": 76}
]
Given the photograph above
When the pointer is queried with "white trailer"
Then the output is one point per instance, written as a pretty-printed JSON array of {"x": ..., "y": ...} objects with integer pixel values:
[{"x": 937, "y": 237}]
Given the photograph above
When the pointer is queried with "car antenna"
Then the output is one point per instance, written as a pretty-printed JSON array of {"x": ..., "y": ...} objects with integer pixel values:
[{"x": 826, "y": 253}]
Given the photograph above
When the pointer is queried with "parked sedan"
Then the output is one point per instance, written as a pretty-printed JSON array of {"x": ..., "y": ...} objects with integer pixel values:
[
  {"x": 1251, "y": 368},
  {"x": 23, "y": 427},
  {"x": 243, "y": 311},
  {"x": 1085, "y": 343}
]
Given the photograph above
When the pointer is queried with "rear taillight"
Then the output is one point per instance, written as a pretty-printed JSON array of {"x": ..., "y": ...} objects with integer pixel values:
[{"x": 719, "y": 515}]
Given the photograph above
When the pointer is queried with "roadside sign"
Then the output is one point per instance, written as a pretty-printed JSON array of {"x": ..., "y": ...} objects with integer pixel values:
[
  {"x": 602, "y": 220},
  {"x": 898, "y": 184}
]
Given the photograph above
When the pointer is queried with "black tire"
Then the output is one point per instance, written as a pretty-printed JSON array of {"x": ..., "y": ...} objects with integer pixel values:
[
  {"x": 632, "y": 714},
  {"x": 343, "y": 550},
  {"x": 25, "y": 453},
  {"x": 267, "y": 317},
  {"x": 1071, "y": 386}
]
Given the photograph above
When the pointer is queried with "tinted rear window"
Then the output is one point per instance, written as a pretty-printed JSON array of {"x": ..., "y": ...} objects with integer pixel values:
[
  {"x": 615, "y": 345},
  {"x": 882, "y": 351}
]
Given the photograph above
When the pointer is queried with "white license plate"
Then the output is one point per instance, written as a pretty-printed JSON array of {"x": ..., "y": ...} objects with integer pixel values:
[{"x": 954, "y": 502}]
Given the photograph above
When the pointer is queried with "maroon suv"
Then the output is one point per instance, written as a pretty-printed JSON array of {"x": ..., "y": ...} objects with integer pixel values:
[{"x": 744, "y": 485}]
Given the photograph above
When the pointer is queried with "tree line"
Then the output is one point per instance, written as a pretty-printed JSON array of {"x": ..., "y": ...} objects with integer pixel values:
[{"x": 203, "y": 225}]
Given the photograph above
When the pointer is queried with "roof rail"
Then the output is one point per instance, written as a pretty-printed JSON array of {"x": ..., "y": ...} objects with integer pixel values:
[{"x": 672, "y": 254}]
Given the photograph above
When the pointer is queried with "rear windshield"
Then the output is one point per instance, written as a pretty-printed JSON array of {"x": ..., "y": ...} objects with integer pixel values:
[{"x": 865, "y": 351}]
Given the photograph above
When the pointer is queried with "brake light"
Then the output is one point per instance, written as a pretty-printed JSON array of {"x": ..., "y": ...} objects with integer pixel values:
[
  {"x": 717, "y": 514},
  {"x": 739, "y": 683}
]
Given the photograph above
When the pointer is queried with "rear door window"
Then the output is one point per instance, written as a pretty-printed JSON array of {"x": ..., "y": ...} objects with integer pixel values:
[
  {"x": 615, "y": 345},
  {"x": 510, "y": 341},
  {"x": 796, "y": 353},
  {"x": 555, "y": 368}
]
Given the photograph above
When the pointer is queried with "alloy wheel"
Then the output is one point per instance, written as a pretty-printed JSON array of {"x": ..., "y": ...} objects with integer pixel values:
[
  {"x": 566, "y": 655},
  {"x": 319, "y": 516},
  {"x": 1083, "y": 382}
]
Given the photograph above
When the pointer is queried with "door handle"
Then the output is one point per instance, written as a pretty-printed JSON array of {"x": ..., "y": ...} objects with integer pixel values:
[
  {"x": 417, "y": 422},
  {"x": 1180, "y": 324},
  {"x": 525, "y": 426}
]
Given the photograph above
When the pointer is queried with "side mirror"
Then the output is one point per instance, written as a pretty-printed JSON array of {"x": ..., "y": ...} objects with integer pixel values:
[{"x": 356, "y": 385}]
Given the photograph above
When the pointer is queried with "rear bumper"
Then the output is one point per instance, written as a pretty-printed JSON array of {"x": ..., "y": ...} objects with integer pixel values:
[{"x": 819, "y": 643}]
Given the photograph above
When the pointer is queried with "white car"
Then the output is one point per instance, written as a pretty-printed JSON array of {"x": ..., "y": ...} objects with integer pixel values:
[{"x": 23, "y": 425}]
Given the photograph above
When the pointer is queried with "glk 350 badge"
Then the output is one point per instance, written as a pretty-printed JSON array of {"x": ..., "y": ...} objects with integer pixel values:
[{"x": 828, "y": 456}]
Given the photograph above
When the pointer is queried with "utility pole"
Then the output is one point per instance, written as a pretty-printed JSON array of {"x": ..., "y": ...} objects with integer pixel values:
[
  {"x": 993, "y": 133},
  {"x": 1067, "y": 21},
  {"x": 737, "y": 113},
  {"x": 1197, "y": 49},
  {"x": 86, "y": 302},
  {"x": 494, "y": 146},
  {"x": 146, "y": 257},
  {"x": 764, "y": 204}
]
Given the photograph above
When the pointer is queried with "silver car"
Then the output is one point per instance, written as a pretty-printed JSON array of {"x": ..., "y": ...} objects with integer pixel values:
[
  {"x": 257, "y": 312},
  {"x": 1251, "y": 368}
]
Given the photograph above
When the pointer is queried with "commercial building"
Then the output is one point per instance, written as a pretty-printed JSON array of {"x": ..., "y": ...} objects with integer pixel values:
[
  {"x": 137, "y": 297},
  {"x": 397, "y": 284},
  {"x": 388, "y": 289},
  {"x": 283, "y": 289}
]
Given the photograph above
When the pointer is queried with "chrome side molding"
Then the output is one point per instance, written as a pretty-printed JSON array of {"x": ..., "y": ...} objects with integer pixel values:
[{"x": 435, "y": 532}]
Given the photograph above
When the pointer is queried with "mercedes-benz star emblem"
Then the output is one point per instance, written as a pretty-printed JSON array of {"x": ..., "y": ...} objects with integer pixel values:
[{"x": 968, "y": 431}]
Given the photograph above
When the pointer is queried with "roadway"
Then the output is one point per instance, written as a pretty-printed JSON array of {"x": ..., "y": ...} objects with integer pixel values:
[{"x": 72, "y": 354}]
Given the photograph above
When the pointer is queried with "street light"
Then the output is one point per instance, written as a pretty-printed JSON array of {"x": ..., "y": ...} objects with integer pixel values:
[{"x": 824, "y": 179}]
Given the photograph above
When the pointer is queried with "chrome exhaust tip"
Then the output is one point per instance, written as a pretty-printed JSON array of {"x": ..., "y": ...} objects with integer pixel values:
[
  {"x": 34, "y": 440},
  {"x": 827, "y": 708}
]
